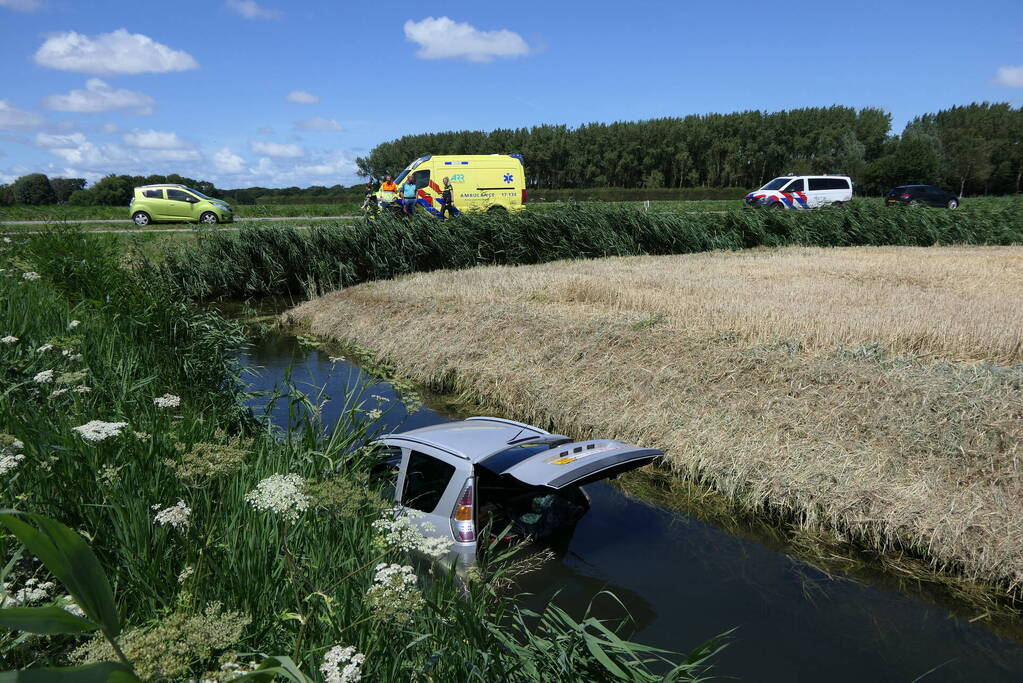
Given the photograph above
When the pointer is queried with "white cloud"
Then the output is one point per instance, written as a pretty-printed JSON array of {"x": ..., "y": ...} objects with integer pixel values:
[
  {"x": 251, "y": 10},
  {"x": 1010, "y": 76},
  {"x": 303, "y": 97},
  {"x": 226, "y": 161},
  {"x": 21, "y": 5},
  {"x": 445, "y": 39},
  {"x": 318, "y": 123},
  {"x": 155, "y": 139},
  {"x": 276, "y": 149},
  {"x": 12, "y": 118},
  {"x": 97, "y": 97},
  {"x": 109, "y": 128},
  {"x": 54, "y": 141},
  {"x": 171, "y": 155},
  {"x": 119, "y": 52}
]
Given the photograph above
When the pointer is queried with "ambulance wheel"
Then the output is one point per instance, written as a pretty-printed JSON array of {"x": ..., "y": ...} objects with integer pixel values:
[{"x": 497, "y": 211}]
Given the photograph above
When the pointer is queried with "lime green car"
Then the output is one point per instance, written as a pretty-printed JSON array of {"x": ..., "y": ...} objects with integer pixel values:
[{"x": 176, "y": 204}]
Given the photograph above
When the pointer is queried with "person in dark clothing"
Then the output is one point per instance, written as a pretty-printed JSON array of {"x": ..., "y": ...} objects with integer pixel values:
[{"x": 446, "y": 196}]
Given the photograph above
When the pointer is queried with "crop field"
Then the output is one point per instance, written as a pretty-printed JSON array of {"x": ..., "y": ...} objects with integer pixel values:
[
  {"x": 229, "y": 545},
  {"x": 872, "y": 392},
  {"x": 66, "y": 212}
]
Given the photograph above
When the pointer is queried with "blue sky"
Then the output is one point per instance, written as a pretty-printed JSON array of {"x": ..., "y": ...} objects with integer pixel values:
[{"x": 277, "y": 93}]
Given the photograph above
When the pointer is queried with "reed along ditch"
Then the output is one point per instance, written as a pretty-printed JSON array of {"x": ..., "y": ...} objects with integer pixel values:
[{"x": 684, "y": 578}]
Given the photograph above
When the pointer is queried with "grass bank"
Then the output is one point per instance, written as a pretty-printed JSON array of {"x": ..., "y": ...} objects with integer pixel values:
[
  {"x": 259, "y": 261},
  {"x": 874, "y": 393},
  {"x": 225, "y": 539}
]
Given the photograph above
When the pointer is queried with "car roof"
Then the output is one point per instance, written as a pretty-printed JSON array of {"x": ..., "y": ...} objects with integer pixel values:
[
  {"x": 472, "y": 439},
  {"x": 183, "y": 187}
]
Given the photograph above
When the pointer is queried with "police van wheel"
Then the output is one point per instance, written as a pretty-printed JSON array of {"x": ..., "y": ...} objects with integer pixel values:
[{"x": 776, "y": 205}]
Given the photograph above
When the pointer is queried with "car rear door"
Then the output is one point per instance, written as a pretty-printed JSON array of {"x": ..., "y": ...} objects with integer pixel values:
[{"x": 577, "y": 463}]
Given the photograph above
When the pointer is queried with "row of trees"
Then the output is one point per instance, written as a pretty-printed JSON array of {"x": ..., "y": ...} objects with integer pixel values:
[
  {"x": 37, "y": 189},
  {"x": 975, "y": 149}
]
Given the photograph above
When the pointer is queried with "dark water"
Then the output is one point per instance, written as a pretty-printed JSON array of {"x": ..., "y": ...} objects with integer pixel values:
[{"x": 684, "y": 581}]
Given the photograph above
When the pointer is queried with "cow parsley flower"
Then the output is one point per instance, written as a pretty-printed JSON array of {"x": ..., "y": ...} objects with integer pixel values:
[
  {"x": 30, "y": 275},
  {"x": 394, "y": 596},
  {"x": 44, "y": 377},
  {"x": 9, "y": 339},
  {"x": 167, "y": 401},
  {"x": 98, "y": 430},
  {"x": 186, "y": 574},
  {"x": 73, "y": 324},
  {"x": 398, "y": 531},
  {"x": 342, "y": 665},
  {"x": 374, "y": 414},
  {"x": 178, "y": 516},
  {"x": 8, "y": 461},
  {"x": 82, "y": 389},
  {"x": 33, "y": 592},
  {"x": 44, "y": 348},
  {"x": 75, "y": 357},
  {"x": 283, "y": 494},
  {"x": 336, "y": 359}
]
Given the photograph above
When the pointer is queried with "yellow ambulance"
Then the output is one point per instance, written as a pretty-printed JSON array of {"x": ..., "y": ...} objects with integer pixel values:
[{"x": 479, "y": 182}]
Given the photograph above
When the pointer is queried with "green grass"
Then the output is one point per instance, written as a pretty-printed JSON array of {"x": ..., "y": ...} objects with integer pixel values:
[
  {"x": 270, "y": 260},
  {"x": 297, "y": 587}
]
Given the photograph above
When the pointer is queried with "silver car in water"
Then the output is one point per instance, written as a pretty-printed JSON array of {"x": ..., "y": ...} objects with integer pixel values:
[{"x": 459, "y": 478}]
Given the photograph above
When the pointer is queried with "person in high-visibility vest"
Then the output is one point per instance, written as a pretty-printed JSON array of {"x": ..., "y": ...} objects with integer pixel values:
[{"x": 388, "y": 185}]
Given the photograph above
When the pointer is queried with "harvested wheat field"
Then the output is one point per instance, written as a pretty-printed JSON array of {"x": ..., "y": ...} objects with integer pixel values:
[{"x": 876, "y": 392}]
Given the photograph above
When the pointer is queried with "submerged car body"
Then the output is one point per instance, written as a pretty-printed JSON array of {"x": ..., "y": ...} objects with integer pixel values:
[{"x": 457, "y": 478}]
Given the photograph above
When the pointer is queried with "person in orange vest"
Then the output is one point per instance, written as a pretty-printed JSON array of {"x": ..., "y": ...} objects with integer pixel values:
[{"x": 388, "y": 185}]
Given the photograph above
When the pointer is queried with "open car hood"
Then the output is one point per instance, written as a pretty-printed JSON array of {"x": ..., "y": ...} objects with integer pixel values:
[{"x": 574, "y": 464}]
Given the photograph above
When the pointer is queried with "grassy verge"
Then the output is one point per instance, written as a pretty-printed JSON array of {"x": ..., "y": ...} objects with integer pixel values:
[
  {"x": 214, "y": 558},
  {"x": 267, "y": 260},
  {"x": 875, "y": 394}
]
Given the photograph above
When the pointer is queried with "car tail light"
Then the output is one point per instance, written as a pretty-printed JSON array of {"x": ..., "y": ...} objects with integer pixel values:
[
  {"x": 905, "y": 195},
  {"x": 463, "y": 524},
  {"x": 523, "y": 195}
]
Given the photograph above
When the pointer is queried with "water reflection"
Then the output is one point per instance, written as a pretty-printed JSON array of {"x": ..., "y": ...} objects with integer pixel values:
[{"x": 684, "y": 581}]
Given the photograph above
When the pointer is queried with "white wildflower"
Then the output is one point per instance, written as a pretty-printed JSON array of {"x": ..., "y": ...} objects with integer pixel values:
[
  {"x": 7, "y": 240},
  {"x": 177, "y": 516},
  {"x": 167, "y": 401},
  {"x": 98, "y": 430},
  {"x": 336, "y": 359},
  {"x": 374, "y": 414},
  {"x": 8, "y": 461},
  {"x": 73, "y": 324},
  {"x": 68, "y": 604},
  {"x": 44, "y": 348},
  {"x": 44, "y": 377},
  {"x": 59, "y": 392},
  {"x": 280, "y": 493},
  {"x": 380, "y": 399},
  {"x": 32, "y": 592},
  {"x": 75, "y": 357},
  {"x": 17, "y": 445},
  {"x": 394, "y": 596},
  {"x": 399, "y": 532},
  {"x": 342, "y": 665},
  {"x": 110, "y": 475},
  {"x": 186, "y": 574},
  {"x": 82, "y": 389},
  {"x": 9, "y": 339},
  {"x": 30, "y": 275}
]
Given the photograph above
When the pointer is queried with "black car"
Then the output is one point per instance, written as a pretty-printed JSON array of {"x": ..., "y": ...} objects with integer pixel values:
[{"x": 921, "y": 195}]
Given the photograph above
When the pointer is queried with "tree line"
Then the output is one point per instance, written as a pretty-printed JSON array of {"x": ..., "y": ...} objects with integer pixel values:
[
  {"x": 974, "y": 149},
  {"x": 971, "y": 149},
  {"x": 36, "y": 189}
]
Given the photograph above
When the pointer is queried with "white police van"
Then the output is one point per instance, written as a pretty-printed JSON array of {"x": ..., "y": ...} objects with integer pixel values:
[{"x": 802, "y": 192}]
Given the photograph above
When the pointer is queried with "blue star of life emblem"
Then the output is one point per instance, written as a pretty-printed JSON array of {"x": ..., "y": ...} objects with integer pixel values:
[{"x": 508, "y": 177}]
